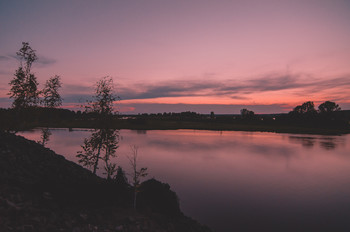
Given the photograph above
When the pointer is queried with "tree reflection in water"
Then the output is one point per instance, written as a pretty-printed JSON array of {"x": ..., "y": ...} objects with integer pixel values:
[
  {"x": 45, "y": 136},
  {"x": 101, "y": 145},
  {"x": 327, "y": 143}
]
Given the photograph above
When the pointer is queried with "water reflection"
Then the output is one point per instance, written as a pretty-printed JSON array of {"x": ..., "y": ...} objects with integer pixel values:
[
  {"x": 100, "y": 145},
  {"x": 328, "y": 143},
  {"x": 241, "y": 181},
  {"x": 307, "y": 142},
  {"x": 141, "y": 132},
  {"x": 45, "y": 136}
]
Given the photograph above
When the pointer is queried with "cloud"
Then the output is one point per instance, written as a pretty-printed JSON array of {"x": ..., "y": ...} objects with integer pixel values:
[
  {"x": 5, "y": 102},
  {"x": 75, "y": 89},
  {"x": 42, "y": 61},
  {"x": 5, "y": 99},
  {"x": 5, "y": 72},
  {"x": 76, "y": 98},
  {"x": 166, "y": 89},
  {"x": 266, "y": 83},
  {"x": 4, "y": 58},
  {"x": 239, "y": 97},
  {"x": 231, "y": 88},
  {"x": 3, "y": 88},
  {"x": 14, "y": 57},
  {"x": 334, "y": 89}
]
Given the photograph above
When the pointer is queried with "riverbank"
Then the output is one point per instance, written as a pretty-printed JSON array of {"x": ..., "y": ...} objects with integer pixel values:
[
  {"x": 336, "y": 123},
  {"x": 42, "y": 191},
  {"x": 199, "y": 125}
]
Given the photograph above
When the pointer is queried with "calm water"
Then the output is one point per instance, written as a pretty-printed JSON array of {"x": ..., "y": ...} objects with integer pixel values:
[{"x": 241, "y": 181}]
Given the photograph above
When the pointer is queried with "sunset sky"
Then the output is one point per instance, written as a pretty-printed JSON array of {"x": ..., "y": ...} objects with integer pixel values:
[{"x": 176, "y": 55}]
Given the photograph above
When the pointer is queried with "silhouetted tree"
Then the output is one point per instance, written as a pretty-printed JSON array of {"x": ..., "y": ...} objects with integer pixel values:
[
  {"x": 328, "y": 107},
  {"x": 212, "y": 115},
  {"x": 120, "y": 177},
  {"x": 51, "y": 99},
  {"x": 51, "y": 96},
  {"x": 101, "y": 145},
  {"x": 24, "y": 87},
  {"x": 247, "y": 114},
  {"x": 103, "y": 142},
  {"x": 136, "y": 174},
  {"x": 103, "y": 100},
  {"x": 90, "y": 155},
  {"x": 305, "y": 112},
  {"x": 305, "y": 108}
]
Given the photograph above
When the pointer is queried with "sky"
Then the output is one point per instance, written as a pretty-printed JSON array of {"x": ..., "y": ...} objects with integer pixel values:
[{"x": 194, "y": 55}]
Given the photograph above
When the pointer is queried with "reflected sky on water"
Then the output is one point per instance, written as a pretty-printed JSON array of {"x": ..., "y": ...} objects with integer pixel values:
[{"x": 240, "y": 181}]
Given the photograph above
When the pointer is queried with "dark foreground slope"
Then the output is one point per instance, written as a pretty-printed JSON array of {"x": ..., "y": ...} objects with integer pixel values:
[{"x": 42, "y": 191}]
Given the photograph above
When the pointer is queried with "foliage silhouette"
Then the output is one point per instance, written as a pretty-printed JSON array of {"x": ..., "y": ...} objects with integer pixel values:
[
  {"x": 328, "y": 107},
  {"x": 51, "y": 96},
  {"x": 247, "y": 114},
  {"x": 101, "y": 145},
  {"x": 103, "y": 142},
  {"x": 120, "y": 178},
  {"x": 26, "y": 95},
  {"x": 305, "y": 108},
  {"x": 102, "y": 105},
  {"x": 24, "y": 87},
  {"x": 45, "y": 136}
]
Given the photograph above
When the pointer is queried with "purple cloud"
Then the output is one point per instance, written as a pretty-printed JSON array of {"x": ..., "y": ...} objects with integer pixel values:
[{"x": 230, "y": 88}]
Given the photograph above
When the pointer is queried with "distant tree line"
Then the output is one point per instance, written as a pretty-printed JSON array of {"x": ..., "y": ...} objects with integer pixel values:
[
  {"x": 304, "y": 111},
  {"x": 307, "y": 109}
]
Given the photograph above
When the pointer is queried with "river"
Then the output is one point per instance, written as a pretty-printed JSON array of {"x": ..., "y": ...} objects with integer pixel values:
[{"x": 239, "y": 181}]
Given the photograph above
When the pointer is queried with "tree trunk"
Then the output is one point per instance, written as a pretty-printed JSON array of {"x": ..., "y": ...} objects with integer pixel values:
[
  {"x": 135, "y": 193},
  {"x": 97, "y": 158}
]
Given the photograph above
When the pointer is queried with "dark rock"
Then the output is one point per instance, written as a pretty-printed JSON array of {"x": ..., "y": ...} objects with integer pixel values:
[{"x": 159, "y": 198}]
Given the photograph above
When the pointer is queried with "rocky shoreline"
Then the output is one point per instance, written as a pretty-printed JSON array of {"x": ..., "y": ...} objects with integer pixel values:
[{"x": 42, "y": 191}]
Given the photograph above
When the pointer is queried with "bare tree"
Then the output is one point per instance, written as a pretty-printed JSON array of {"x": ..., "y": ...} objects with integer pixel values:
[
  {"x": 24, "y": 87},
  {"x": 51, "y": 96},
  {"x": 136, "y": 174}
]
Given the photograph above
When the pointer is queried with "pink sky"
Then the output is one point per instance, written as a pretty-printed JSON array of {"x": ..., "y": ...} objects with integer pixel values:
[{"x": 186, "y": 55}]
